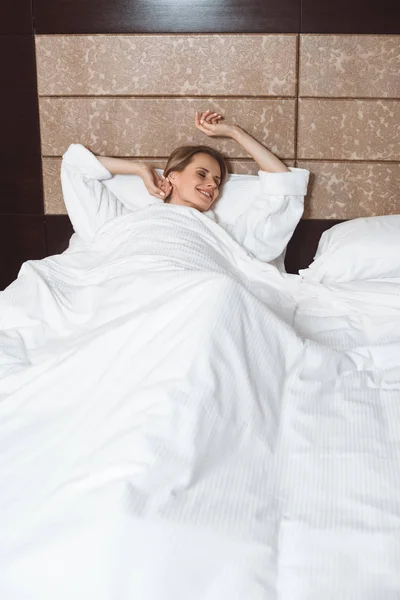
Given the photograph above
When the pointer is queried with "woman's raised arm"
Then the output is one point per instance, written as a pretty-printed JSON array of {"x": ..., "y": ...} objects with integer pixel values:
[
  {"x": 122, "y": 166},
  {"x": 212, "y": 125},
  {"x": 119, "y": 166}
]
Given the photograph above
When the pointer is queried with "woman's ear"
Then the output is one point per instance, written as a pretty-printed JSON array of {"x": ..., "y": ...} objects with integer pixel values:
[{"x": 172, "y": 177}]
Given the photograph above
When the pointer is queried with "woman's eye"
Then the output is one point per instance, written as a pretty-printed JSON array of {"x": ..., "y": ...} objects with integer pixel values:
[{"x": 202, "y": 174}]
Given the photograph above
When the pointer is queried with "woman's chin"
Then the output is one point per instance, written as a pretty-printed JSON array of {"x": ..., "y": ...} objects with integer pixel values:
[{"x": 196, "y": 202}]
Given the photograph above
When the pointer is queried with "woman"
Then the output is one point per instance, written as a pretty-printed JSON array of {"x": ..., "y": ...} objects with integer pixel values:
[
  {"x": 192, "y": 178},
  {"x": 193, "y": 175}
]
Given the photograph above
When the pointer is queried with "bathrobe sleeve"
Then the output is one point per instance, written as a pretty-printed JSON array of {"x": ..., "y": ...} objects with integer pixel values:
[
  {"x": 267, "y": 226},
  {"x": 89, "y": 202}
]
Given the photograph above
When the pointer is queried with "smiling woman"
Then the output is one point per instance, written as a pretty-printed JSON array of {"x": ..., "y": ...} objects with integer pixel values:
[
  {"x": 193, "y": 176},
  {"x": 260, "y": 215}
]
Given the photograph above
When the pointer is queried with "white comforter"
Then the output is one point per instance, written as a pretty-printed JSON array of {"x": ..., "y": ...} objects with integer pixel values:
[{"x": 176, "y": 424}]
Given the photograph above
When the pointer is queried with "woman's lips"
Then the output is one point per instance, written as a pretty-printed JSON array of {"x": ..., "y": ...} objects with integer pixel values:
[{"x": 205, "y": 194}]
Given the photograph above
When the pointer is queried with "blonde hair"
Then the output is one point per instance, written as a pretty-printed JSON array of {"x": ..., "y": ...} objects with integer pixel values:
[{"x": 181, "y": 157}]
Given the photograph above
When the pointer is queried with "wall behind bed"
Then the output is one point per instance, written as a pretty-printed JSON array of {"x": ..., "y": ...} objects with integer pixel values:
[{"x": 316, "y": 81}]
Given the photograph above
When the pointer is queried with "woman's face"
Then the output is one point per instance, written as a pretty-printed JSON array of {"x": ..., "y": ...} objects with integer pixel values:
[{"x": 198, "y": 184}]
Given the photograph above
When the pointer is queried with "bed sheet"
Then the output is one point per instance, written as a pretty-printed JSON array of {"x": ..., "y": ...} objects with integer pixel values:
[
  {"x": 179, "y": 420},
  {"x": 347, "y": 315}
]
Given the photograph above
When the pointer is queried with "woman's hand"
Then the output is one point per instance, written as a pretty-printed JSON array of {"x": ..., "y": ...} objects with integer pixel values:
[
  {"x": 212, "y": 125},
  {"x": 155, "y": 184}
]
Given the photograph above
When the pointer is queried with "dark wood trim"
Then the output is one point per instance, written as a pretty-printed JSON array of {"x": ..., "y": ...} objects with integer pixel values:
[
  {"x": 20, "y": 161},
  {"x": 356, "y": 16},
  {"x": 22, "y": 238},
  {"x": 167, "y": 16},
  {"x": 303, "y": 245}
]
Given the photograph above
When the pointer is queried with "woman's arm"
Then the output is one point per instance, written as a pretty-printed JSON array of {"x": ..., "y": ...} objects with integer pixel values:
[
  {"x": 263, "y": 157},
  {"x": 210, "y": 124},
  {"x": 122, "y": 166},
  {"x": 90, "y": 203}
]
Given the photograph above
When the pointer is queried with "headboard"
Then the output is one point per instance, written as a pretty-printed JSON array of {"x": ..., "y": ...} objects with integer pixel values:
[{"x": 329, "y": 103}]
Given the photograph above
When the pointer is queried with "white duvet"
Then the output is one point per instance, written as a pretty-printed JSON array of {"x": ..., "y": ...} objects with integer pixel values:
[{"x": 179, "y": 421}]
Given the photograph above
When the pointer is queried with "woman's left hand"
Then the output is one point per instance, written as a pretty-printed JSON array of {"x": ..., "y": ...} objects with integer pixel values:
[{"x": 212, "y": 125}]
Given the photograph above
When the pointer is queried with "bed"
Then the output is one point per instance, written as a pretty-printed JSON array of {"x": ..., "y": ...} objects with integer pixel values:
[{"x": 188, "y": 421}]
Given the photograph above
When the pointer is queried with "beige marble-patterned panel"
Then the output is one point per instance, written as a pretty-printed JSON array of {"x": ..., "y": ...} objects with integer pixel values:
[
  {"x": 249, "y": 166},
  {"x": 183, "y": 65},
  {"x": 350, "y": 190},
  {"x": 53, "y": 198},
  {"x": 350, "y": 65},
  {"x": 154, "y": 127},
  {"x": 349, "y": 129}
]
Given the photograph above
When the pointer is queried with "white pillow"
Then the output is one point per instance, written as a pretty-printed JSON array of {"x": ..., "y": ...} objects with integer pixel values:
[
  {"x": 365, "y": 248},
  {"x": 131, "y": 191}
]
